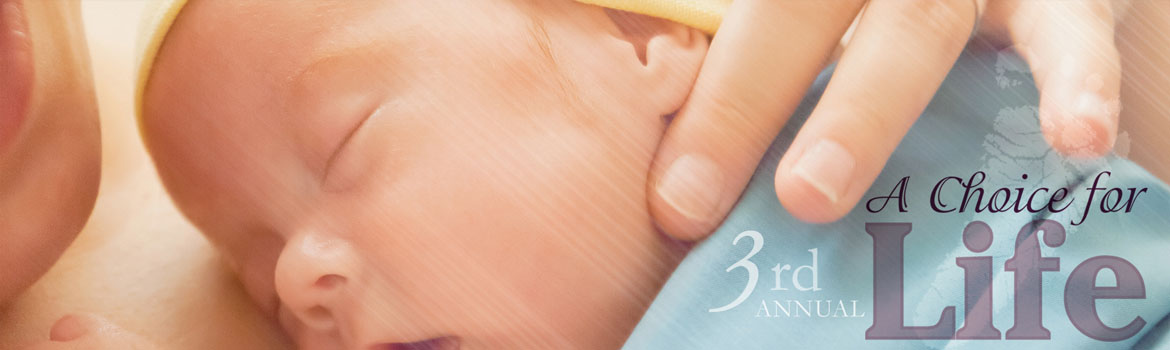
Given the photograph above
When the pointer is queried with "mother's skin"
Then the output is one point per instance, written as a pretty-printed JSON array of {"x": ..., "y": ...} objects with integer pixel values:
[
  {"x": 137, "y": 262},
  {"x": 48, "y": 137}
]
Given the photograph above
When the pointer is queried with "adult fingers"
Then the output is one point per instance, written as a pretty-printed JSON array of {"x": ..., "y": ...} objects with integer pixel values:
[
  {"x": 757, "y": 69},
  {"x": 899, "y": 55},
  {"x": 1070, "y": 49}
]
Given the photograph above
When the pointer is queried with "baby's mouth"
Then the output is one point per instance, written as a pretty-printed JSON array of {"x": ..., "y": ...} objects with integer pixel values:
[
  {"x": 442, "y": 343},
  {"x": 16, "y": 69}
]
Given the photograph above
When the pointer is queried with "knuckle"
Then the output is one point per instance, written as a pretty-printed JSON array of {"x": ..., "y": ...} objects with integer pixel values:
[
  {"x": 730, "y": 108},
  {"x": 950, "y": 19},
  {"x": 1103, "y": 9},
  {"x": 871, "y": 121},
  {"x": 876, "y": 125}
]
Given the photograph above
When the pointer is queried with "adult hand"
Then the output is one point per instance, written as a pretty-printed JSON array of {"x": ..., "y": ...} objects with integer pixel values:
[{"x": 767, "y": 53}]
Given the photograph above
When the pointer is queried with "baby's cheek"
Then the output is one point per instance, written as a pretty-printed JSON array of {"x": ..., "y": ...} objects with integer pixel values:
[
  {"x": 258, "y": 283},
  {"x": 577, "y": 231},
  {"x": 540, "y": 230}
]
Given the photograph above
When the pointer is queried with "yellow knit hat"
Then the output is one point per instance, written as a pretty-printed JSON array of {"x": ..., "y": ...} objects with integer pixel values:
[
  {"x": 705, "y": 15},
  {"x": 156, "y": 23}
]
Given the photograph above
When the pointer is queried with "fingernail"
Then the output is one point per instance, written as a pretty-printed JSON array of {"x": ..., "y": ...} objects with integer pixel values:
[
  {"x": 1093, "y": 107},
  {"x": 1089, "y": 104},
  {"x": 68, "y": 328},
  {"x": 1091, "y": 120},
  {"x": 693, "y": 186},
  {"x": 828, "y": 167}
]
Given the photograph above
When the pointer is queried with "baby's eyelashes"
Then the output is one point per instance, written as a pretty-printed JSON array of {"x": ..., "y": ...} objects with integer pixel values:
[{"x": 337, "y": 175}]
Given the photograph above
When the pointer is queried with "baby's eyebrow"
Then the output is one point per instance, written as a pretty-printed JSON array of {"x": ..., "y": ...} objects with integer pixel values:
[
  {"x": 330, "y": 97},
  {"x": 324, "y": 57},
  {"x": 539, "y": 35},
  {"x": 342, "y": 67},
  {"x": 337, "y": 44}
]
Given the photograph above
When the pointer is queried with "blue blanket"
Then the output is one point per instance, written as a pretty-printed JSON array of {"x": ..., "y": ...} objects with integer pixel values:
[{"x": 982, "y": 121}]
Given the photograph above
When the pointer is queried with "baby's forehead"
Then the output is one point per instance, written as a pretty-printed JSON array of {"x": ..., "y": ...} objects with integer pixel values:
[
  {"x": 264, "y": 37},
  {"x": 253, "y": 86},
  {"x": 209, "y": 108},
  {"x": 270, "y": 45},
  {"x": 220, "y": 65},
  {"x": 225, "y": 62}
]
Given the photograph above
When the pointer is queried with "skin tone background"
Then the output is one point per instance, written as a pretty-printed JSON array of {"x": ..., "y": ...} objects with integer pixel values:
[
  {"x": 139, "y": 264},
  {"x": 49, "y": 142},
  {"x": 1145, "y": 88}
]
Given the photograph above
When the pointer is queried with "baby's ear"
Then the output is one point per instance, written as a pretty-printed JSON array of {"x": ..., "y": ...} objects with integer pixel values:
[
  {"x": 670, "y": 55},
  {"x": 313, "y": 275}
]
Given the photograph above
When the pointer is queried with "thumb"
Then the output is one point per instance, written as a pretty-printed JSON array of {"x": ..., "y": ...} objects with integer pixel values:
[{"x": 755, "y": 73}]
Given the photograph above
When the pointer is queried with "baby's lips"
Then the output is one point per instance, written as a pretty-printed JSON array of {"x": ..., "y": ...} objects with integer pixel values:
[
  {"x": 16, "y": 70},
  {"x": 441, "y": 343}
]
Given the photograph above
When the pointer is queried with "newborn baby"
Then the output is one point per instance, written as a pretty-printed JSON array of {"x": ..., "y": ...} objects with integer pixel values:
[
  {"x": 386, "y": 174},
  {"x": 49, "y": 140},
  {"x": 427, "y": 175}
]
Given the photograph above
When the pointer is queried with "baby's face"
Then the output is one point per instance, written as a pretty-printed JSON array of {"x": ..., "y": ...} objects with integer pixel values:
[
  {"x": 49, "y": 139},
  {"x": 382, "y": 173}
]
